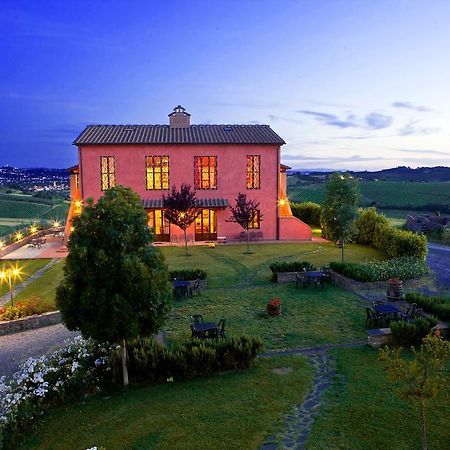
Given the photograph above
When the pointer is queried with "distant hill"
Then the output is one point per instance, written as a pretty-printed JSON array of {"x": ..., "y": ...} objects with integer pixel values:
[{"x": 402, "y": 173}]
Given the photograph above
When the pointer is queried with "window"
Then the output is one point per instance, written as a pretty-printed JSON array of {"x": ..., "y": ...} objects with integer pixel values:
[
  {"x": 256, "y": 219},
  {"x": 157, "y": 170},
  {"x": 205, "y": 172},
  {"x": 107, "y": 172},
  {"x": 77, "y": 181},
  {"x": 253, "y": 171}
]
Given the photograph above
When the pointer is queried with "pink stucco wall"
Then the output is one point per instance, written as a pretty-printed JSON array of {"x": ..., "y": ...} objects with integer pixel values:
[
  {"x": 231, "y": 169},
  {"x": 292, "y": 228}
]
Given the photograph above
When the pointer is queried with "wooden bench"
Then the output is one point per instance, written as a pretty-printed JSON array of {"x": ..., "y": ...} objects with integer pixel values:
[{"x": 221, "y": 239}]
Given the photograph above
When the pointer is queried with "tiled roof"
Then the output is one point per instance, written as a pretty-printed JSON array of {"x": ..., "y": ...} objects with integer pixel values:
[
  {"x": 164, "y": 134},
  {"x": 201, "y": 203}
]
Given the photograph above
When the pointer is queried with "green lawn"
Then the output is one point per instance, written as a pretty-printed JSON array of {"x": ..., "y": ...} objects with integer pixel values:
[
  {"x": 44, "y": 287},
  {"x": 364, "y": 413},
  {"x": 229, "y": 411},
  {"x": 28, "y": 267}
]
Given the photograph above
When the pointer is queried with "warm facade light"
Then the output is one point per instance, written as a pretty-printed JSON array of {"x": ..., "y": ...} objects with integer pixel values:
[
  {"x": 72, "y": 229},
  {"x": 282, "y": 202},
  {"x": 182, "y": 215}
]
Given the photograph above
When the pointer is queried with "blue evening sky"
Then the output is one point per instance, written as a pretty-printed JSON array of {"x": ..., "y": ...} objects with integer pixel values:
[{"x": 348, "y": 84}]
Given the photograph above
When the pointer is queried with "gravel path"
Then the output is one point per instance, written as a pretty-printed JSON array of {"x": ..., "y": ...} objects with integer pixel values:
[
  {"x": 19, "y": 288},
  {"x": 439, "y": 261},
  {"x": 17, "y": 348}
]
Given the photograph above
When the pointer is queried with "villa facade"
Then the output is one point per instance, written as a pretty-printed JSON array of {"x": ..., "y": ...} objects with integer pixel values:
[{"x": 218, "y": 161}]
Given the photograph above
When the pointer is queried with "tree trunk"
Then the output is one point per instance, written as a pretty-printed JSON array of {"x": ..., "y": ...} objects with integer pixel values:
[
  {"x": 185, "y": 242},
  {"x": 342, "y": 250},
  {"x": 123, "y": 352},
  {"x": 423, "y": 428},
  {"x": 248, "y": 240}
]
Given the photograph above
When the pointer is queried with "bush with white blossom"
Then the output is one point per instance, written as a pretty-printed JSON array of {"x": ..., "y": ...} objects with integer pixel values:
[{"x": 80, "y": 366}]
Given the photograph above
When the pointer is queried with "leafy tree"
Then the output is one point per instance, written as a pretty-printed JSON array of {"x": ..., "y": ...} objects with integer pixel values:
[
  {"x": 245, "y": 213},
  {"x": 115, "y": 283},
  {"x": 181, "y": 208},
  {"x": 422, "y": 377},
  {"x": 340, "y": 208}
]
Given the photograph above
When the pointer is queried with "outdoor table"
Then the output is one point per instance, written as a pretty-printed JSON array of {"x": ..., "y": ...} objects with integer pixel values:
[
  {"x": 315, "y": 277},
  {"x": 205, "y": 329},
  {"x": 182, "y": 289},
  {"x": 388, "y": 310}
]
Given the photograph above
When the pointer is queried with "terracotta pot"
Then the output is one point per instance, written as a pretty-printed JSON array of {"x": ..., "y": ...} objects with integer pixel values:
[
  {"x": 273, "y": 310},
  {"x": 394, "y": 289}
]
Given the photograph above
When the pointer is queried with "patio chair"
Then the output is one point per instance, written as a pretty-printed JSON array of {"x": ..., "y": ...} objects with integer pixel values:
[
  {"x": 372, "y": 318},
  {"x": 300, "y": 278},
  {"x": 196, "y": 319},
  {"x": 196, "y": 286},
  {"x": 220, "y": 332}
]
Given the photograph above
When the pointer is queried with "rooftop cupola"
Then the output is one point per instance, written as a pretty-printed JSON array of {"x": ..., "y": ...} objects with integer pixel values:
[{"x": 179, "y": 118}]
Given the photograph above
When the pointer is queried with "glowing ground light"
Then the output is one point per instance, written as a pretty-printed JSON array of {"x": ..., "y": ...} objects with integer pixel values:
[
  {"x": 56, "y": 224},
  {"x": 10, "y": 276},
  {"x": 18, "y": 236},
  {"x": 33, "y": 229}
]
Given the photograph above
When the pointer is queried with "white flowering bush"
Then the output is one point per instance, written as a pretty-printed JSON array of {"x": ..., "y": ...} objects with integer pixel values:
[{"x": 80, "y": 366}]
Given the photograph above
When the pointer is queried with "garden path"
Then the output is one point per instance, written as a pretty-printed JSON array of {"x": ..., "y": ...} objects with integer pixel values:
[{"x": 19, "y": 288}]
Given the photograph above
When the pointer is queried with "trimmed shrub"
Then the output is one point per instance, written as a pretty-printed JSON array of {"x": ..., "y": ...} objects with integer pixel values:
[
  {"x": 404, "y": 268},
  {"x": 407, "y": 334},
  {"x": 374, "y": 229},
  {"x": 289, "y": 266},
  {"x": 187, "y": 274},
  {"x": 366, "y": 224},
  {"x": 439, "y": 306},
  {"x": 150, "y": 362},
  {"x": 308, "y": 212}
]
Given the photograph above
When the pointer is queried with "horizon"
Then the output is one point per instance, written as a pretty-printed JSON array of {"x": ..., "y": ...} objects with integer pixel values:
[{"x": 344, "y": 84}]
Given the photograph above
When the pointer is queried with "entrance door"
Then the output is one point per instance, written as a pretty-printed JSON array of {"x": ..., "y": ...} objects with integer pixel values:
[
  {"x": 206, "y": 225},
  {"x": 159, "y": 225}
]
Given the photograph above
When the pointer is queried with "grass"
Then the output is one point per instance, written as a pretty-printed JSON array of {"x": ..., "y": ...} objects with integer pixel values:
[
  {"x": 363, "y": 411},
  {"x": 28, "y": 267},
  {"x": 228, "y": 265},
  {"x": 44, "y": 287},
  {"x": 311, "y": 316},
  {"x": 232, "y": 410}
]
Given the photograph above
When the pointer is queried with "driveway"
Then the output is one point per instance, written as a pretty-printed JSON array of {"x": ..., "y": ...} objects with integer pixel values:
[
  {"x": 17, "y": 348},
  {"x": 439, "y": 261}
]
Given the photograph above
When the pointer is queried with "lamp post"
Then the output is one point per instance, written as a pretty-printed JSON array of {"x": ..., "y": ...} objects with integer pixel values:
[{"x": 9, "y": 276}]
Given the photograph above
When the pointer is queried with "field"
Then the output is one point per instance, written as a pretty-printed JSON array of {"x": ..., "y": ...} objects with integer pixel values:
[
  {"x": 385, "y": 194},
  {"x": 20, "y": 210}
]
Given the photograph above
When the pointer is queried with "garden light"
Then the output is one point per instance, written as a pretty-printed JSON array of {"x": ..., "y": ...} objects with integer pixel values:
[
  {"x": 2, "y": 245},
  {"x": 18, "y": 236},
  {"x": 33, "y": 229},
  {"x": 56, "y": 224},
  {"x": 10, "y": 276}
]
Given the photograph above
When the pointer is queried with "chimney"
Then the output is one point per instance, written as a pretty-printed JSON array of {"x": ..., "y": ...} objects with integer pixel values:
[{"x": 179, "y": 118}]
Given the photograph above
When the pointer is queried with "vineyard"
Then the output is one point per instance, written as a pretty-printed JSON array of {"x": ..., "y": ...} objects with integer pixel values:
[{"x": 385, "y": 194}]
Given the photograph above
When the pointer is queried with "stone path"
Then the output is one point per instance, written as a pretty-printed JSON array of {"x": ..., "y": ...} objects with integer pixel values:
[
  {"x": 19, "y": 288},
  {"x": 299, "y": 420}
]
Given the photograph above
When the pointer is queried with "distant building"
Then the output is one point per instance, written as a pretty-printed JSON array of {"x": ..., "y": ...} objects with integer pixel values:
[
  {"x": 218, "y": 161},
  {"x": 427, "y": 223}
]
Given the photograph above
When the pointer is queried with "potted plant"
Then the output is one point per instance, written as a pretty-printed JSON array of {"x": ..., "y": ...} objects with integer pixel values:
[{"x": 274, "y": 307}]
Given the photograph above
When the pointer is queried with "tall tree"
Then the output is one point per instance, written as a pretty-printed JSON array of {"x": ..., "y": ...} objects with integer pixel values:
[
  {"x": 340, "y": 208},
  {"x": 245, "y": 213},
  {"x": 422, "y": 377},
  {"x": 115, "y": 283},
  {"x": 181, "y": 209}
]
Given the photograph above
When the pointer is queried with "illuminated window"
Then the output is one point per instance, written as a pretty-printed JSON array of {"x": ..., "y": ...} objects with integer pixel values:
[
  {"x": 205, "y": 172},
  {"x": 157, "y": 170},
  {"x": 77, "y": 181},
  {"x": 253, "y": 172},
  {"x": 107, "y": 172},
  {"x": 256, "y": 219}
]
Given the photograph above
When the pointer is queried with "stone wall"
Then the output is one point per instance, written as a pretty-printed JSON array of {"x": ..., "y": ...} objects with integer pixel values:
[{"x": 29, "y": 323}]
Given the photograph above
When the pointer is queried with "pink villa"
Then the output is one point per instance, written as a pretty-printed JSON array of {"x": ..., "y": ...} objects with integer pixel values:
[{"x": 218, "y": 161}]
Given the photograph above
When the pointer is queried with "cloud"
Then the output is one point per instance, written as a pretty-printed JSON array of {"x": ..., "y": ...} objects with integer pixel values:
[
  {"x": 409, "y": 105},
  {"x": 330, "y": 119},
  {"x": 355, "y": 158},
  {"x": 377, "y": 121},
  {"x": 412, "y": 128},
  {"x": 372, "y": 121},
  {"x": 423, "y": 151}
]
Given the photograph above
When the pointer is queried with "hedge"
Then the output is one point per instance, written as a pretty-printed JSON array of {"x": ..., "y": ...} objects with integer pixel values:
[
  {"x": 289, "y": 266},
  {"x": 404, "y": 268},
  {"x": 150, "y": 362},
  {"x": 439, "y": 306},
  {"x": 308, "y": 212},
  {"x": 374, "y": 229},
  {"x": 187, "y": 274},
  {"x": 407, "y": 334}
]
